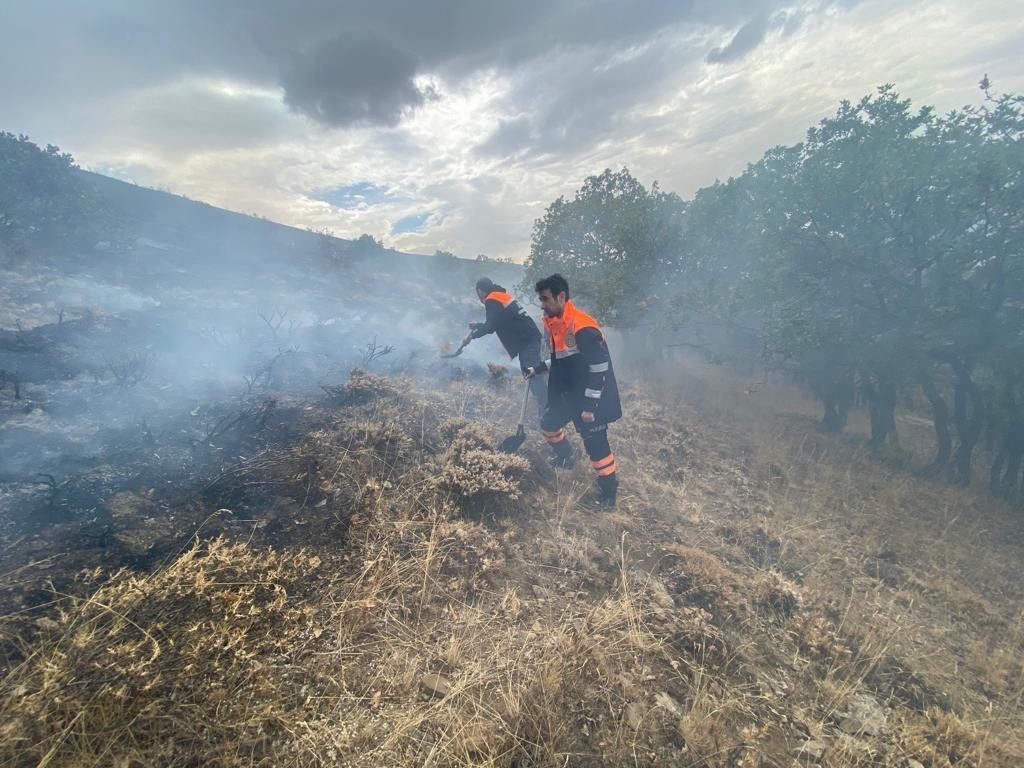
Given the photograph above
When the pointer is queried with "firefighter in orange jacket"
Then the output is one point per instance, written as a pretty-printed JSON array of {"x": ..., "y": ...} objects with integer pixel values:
[
  {"x": 516, "y": 331},
  {"x": 581, "y": 385}
]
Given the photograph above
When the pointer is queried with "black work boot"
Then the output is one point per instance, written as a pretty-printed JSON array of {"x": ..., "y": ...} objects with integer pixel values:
[
  {"x": 608, "y": 489},
  {"x": 564, "y": 455}
]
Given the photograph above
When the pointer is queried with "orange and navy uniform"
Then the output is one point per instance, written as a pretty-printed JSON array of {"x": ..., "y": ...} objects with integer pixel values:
[
  {"x": 580, "y": 378},
  {"x": 505, "y": 317}
]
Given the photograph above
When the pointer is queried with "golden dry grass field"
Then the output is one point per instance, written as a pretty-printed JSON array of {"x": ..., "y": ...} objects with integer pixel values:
[{"x": 389, "y": 590}]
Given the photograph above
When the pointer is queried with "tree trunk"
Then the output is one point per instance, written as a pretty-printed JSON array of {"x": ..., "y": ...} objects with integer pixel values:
[
  {"x": 830, "y": 418},
  {"x": 1004, "y": 478},
  {"x": 940, "y": 420},
  {"x": 837, "y": 397},
  {"x": 881, "y": 397},
  {"x": 1011, "y": 484},
  {"x": 968, "y": 412}
]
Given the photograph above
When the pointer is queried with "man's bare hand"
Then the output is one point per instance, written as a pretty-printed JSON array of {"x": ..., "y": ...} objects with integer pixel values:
[
  {"x": 474, "y": 325},
  {"x": 587, "y": 416},
  {"x": 529, "y": 373}
]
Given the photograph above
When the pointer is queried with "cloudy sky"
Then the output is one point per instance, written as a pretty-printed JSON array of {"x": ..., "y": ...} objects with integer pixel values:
[{"x": 452, "y": 123}]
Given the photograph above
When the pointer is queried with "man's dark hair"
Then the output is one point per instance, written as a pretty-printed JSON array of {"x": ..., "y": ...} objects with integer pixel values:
[
  {"x": 486, "y": 285},
  {"x": 555, "y": 283}
]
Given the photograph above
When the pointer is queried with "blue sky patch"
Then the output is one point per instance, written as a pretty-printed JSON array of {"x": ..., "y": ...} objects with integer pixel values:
[
  {"x": 354, "y": 195},
  {"x": 412, "y": 223}
]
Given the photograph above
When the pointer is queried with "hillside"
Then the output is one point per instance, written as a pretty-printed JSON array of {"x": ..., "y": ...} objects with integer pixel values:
[
  {"x": 386, "y": 589},
  {"x": 142, "y": 355},
  {"x": 249, "y": 517},
  {"x": 181, "y": 251}
]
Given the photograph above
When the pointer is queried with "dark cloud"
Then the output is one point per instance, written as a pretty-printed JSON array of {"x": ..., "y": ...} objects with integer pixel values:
[
  {"x": 81, "y": 52},
  {"x": 746, "y": 39},
  {"x": 354, "y": 77}
]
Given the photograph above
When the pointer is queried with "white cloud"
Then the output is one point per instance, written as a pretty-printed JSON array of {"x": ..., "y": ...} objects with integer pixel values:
[{"x": 518, "y": 115}]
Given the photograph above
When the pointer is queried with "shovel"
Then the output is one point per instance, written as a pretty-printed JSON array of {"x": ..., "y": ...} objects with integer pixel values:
[
  {"x": 456, "y": 353},
  {"x": 511, "y": 444}
]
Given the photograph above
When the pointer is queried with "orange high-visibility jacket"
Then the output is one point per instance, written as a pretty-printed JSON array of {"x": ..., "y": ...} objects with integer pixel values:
[
  {"x": 515, "y": 329},
  {"x": 580, "y": 367}
]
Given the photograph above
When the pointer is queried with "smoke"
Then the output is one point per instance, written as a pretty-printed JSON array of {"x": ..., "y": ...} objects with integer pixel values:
[{"x": 130, "y": 364}]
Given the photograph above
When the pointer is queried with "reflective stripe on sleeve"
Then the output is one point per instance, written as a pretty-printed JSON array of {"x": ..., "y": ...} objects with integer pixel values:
[
  {"x": 599, "y": 367},
  {"x": 594, "y": 393}
]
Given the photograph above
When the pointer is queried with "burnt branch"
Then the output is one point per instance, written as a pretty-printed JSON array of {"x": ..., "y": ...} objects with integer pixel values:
[
  {"x": 273, "y": 319},
  {"x": 372, "y": 351},
  {"x": 54, "y": 490},
  {"x": 214, "y": 335},
  {"x": 263, "y": 375},
  {"x": 129, "y": 372},
  {"x": 238, "y": 423}
]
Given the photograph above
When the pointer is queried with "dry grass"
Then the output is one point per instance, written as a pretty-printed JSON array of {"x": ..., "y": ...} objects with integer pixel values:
[
  {"x": 473, "y": 471},
  {"x": 454, "y": 606},
  {"x": 166, "y": 667}
]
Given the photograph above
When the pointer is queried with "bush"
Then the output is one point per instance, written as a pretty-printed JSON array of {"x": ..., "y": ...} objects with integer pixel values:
[
  {"x": 45, "y": 199},
  {"x": 473, "y": 470},
  {"x": 361, "y": 387}
]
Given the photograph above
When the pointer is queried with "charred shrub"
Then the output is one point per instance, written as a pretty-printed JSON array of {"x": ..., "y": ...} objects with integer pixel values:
[
  {"x": 473, "y": 471},
  {"x": 361, "y": 387}
]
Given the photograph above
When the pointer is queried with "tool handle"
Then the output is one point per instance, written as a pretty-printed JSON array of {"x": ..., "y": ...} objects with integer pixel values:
[{"x": 526, "y": 397}]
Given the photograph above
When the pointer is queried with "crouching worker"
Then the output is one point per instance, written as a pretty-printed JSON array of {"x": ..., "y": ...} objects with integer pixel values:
[
  {"x": 516, "y": 331},
  {"x": 581, "y": 385}
]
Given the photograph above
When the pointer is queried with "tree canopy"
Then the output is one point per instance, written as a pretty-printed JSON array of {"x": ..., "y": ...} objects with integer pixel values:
[{"x": 881, "y": 257}]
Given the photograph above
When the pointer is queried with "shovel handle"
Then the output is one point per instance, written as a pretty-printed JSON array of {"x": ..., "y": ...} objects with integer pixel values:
[{"x": 526, "y": 397}]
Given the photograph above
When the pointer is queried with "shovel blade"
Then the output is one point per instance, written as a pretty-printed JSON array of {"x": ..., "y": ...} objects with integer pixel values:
[{"x": 513, "y": 443}]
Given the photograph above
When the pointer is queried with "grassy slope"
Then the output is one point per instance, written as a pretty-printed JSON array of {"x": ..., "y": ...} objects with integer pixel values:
[
  {"x": 757, "y": 581},
  {"x": 186, "y": 251},
  {"x": 379, "y": 598}
]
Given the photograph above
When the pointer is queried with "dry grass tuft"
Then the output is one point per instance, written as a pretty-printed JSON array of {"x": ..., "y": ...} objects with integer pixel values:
[
  {"x": 363, "y": 387},
  {"x": 473, "y": 471},
  {"x": 177, "y": 665},
  {"x": 499, "y": 376},
  {"x": 943, "y": 740}
]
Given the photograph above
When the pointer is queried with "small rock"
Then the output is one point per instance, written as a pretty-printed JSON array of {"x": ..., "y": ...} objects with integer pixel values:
[
  {"x": 865, "y": 717},
  {"x": 669, "y": 704},
  {"x": 661, "y": 597},
  {"x": 911, "y": 763},
  {"x": 47, "y": 624},
  {"x": 813, "y": 748},
  {"x": 435, "y": 685},
  {"x": 422, "y": 736},
  {"x": 634, "y": 714}
]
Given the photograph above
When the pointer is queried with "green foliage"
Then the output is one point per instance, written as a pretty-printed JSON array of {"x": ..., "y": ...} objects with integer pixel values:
[
  {"x": 613, "y": 242},
  {"x": 367, "y": 244},
  {"x": 333, "y": 251},
  {"x": 883, "y": 254},
  {"x": 46, "y": 201},
  {"x": 900, "y": 251}
]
